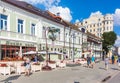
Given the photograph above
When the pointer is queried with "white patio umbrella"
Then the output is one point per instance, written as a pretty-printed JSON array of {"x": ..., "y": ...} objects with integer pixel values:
[
  {"x": 30, "y": 52},
  {"x": 44, "y": 52}
]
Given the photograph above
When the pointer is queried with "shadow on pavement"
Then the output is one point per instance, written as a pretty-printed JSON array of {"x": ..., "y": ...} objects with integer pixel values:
[
  {"x": 102, "y": 68},
  {"x": 115, "y": 69},
  {"x": 10, "y": 79},
  {"x": 107, "y": 78},
  {"x": 76, "y": 82}
]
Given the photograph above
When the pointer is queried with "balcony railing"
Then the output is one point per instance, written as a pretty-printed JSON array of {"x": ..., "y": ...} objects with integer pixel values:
[{"x": 17, "y": 36}]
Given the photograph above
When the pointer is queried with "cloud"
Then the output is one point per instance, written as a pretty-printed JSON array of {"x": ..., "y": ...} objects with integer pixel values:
[
  {"x": 52, "y": 6},
  {"x": 65, "y": 12},
  {"x": 116, "y": 17},
  {"x": 77, "y": 20},
  {"x": 117, "y": 42},
  {"x": 96, "y": 13},
  {"x": 46, "y": 3}
]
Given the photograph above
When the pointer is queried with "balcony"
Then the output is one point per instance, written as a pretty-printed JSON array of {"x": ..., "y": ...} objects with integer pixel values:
[{"x": 8, "y": 35}]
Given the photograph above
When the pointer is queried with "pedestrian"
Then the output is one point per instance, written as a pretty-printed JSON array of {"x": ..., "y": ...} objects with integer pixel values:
[
  {"x": 106, "y": 62},
  {"x": 27, "y": 66},
  {"x": 92, "y": 61},
  {"x": 35, "y": 58},
  {"x": 88, "y": 61},
  {"x": 119, "y": 62},
  {"x": 113, "y": 59}
]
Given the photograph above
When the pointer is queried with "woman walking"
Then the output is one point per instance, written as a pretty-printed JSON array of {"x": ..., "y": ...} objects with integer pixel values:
[
  {"x": 92, "y": 61},
  {"x": 119, "y": 62},
  {"x": 27, "y": 67},
  {"x": 106, "y": 62}
]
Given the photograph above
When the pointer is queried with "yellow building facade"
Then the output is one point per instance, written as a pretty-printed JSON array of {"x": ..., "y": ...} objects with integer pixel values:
[{"x": 98, "y": 24}]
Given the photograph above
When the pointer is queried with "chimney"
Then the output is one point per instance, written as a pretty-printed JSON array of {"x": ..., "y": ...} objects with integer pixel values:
[{"x": 58, "y": 14}]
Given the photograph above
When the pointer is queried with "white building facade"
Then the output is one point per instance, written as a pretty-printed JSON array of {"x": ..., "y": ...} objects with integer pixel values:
[{"x": 23, "y": 28}]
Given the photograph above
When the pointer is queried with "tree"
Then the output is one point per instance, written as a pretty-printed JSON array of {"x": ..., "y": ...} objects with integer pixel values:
[
  {"x": 51, "y": 32},
  {"x": 108, "y": 40}
]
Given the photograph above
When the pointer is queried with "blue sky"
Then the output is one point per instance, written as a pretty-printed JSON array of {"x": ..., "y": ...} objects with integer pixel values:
[
  {"x": 83, "y": 8},
  {"x": 77, "y": 10}
]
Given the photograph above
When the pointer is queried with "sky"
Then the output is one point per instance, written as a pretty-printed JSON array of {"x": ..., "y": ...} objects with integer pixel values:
[{"x": 77, "y": 10}]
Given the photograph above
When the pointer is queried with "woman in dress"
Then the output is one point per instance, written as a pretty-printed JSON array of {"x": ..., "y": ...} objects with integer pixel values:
[{"x": 27, "y": 67}]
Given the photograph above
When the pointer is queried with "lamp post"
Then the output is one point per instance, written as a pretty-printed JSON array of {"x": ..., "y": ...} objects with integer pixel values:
[{"x": 73, "y": 47}]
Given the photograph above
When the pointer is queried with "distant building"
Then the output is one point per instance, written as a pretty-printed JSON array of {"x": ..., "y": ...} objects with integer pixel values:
[
  {"x": 91, "y": 46},
  {"x": 98, "y": 24}
]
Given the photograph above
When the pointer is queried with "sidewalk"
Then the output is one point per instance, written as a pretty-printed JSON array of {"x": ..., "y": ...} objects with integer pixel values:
[{"x": 77, "y": 74}]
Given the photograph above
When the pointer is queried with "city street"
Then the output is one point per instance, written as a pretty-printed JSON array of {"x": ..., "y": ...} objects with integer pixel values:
[{"x": 78, "y": 74}]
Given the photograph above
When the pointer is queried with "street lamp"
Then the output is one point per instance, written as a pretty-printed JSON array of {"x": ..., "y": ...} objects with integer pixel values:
[{"x": 73, "y": 47}]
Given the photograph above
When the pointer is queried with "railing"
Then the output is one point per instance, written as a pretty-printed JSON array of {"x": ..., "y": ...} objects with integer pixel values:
[{"x": 17, "y": 36}]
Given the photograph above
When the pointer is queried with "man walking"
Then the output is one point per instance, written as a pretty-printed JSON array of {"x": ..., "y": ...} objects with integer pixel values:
[{"x": 88, "y": 61}]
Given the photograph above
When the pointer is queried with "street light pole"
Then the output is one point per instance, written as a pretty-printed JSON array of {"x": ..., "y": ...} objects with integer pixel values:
[
  {"x": 46, "y": 47},
  {"x": 73, "y": 46}
]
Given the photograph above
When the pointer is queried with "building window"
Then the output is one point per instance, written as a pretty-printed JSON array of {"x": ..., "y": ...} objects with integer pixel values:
[
  {"x": 20, "y": 26},
  {"x": 79, "y": 40},
  {"x": 99, "y": 19},
  {"x": 51, "y": 49},
  {"x": 98, "y": 29},
  {"x": 43, "y": 48},
  {"x": 55, "y": 49},
  {"x": 32, "y": 29},
  {"x": 107, "y": 22},
  {"x": 3, "y": 22},
  {"x": 43, "y": 32},
  {"x": 59, "y": 35},
  {"x": 90, "y": 30}
]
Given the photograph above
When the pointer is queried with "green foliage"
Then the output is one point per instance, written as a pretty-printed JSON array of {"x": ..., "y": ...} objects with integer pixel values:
[
  {"x": 52, "y": 37},
  {"x": 52, "y": 33},
  {"x": 108, "y": 40}
]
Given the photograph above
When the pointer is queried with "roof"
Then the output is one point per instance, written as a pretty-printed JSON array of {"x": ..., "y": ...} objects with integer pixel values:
[
  {"x": 46, "y": 14},
  {"x": 32, "y": 9}
]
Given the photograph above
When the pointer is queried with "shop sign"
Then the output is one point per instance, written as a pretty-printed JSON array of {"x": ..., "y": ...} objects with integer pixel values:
[
  {"x": 19, "y": 44},
  {"x": 13, "y": 43}
]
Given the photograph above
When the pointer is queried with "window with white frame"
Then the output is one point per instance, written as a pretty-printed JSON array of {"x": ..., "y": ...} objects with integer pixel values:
[
  {"x": 3, "y": 22},
  {"x": 20, "y": 26},
  {"x": 43, "y": 32},
  {"x": 32, "y": 29}
]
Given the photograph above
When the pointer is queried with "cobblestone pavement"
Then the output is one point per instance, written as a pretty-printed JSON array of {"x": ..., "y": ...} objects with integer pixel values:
[{"x": 77, "y": 74}]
